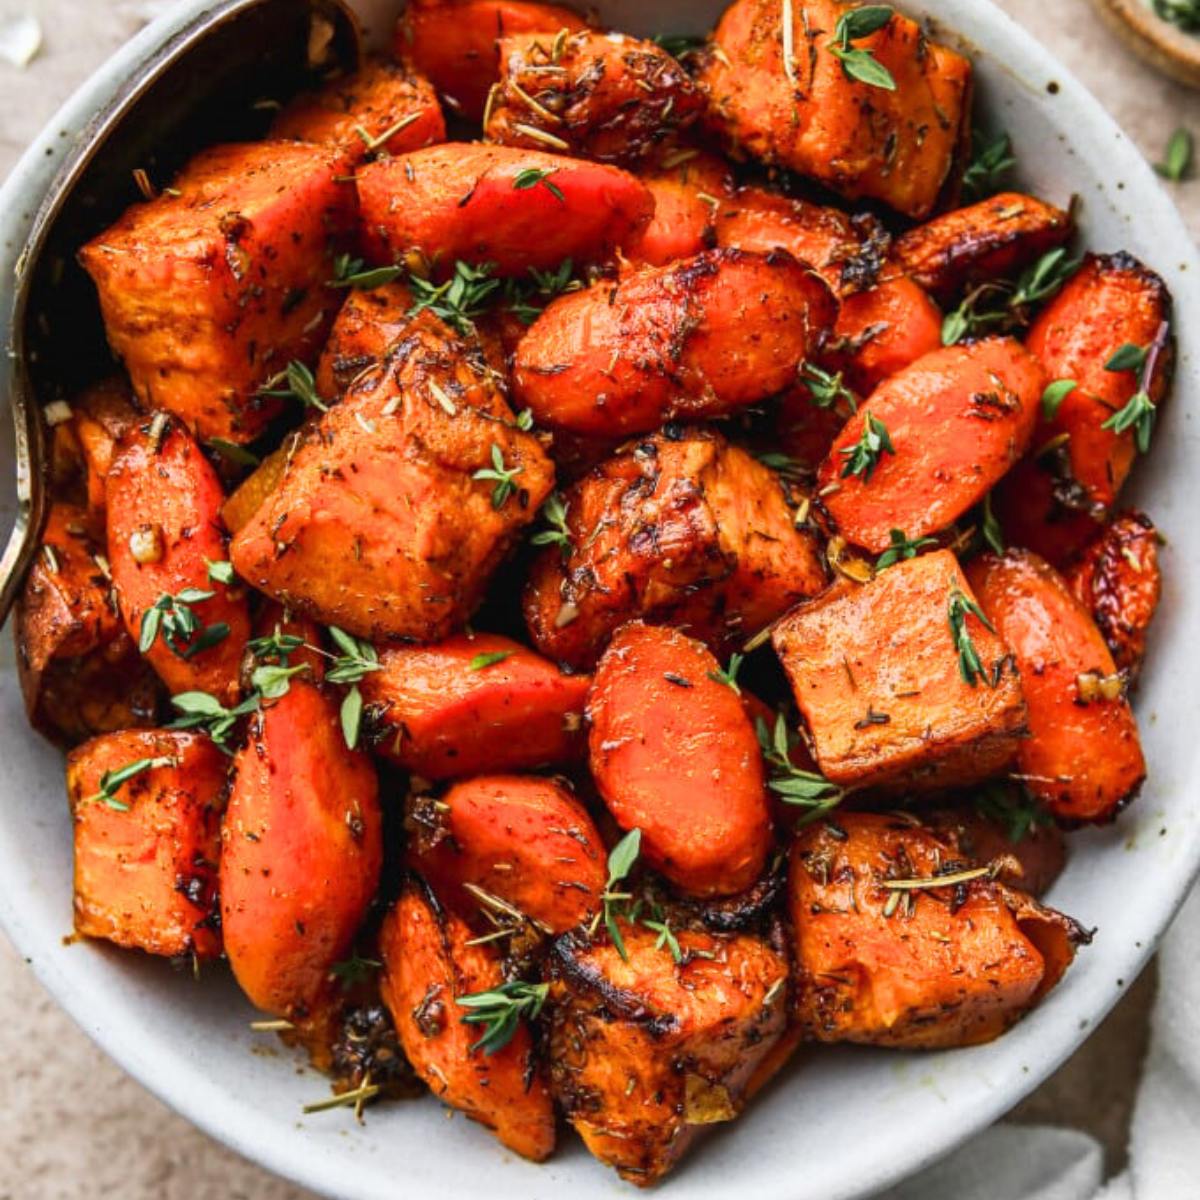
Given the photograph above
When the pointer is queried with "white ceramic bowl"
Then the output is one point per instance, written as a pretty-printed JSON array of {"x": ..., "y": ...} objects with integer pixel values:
[{"x": 845, "y": 1121}]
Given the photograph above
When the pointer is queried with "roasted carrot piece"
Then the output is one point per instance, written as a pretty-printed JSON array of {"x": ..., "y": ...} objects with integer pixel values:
[
  {"x": 473, "y": 704},
  {"x": 209, "y": 290},
  {"x": 102, "y": 415},
  {"x": 429, "y": 964},
  {"x": 916, "y": 964},
  {"x": 383, "y": 106},
  {"x": 382, "y": 522},
  {"x": 687, "y": 185},
  {"x": 164, "y": 528},
  {"x": 1118, "y": 580},
  {"x": 1111, "y": 302},
  {"x": 697, "y": 338},
  {"x": 368, "y": 324},
  {"x": 1041, "y": 508},
  {"x": 881, "y": 331},
  {"x": 604, "y": 96},
  {"x": 674, "y": 755},
  {"x": 788, "y": 101},
  {"x": 887, "y": 687},
  {"x": 522, "y": 838},
  {"x": 1083, "y": 759},
  {"x": 979, "y": 242},
  {"x": 301, "y": 851},
  {"x": 847, "y": 252},
  {"x": 931, "y": 441},
  {"x": 470, "y": 201},
  {"x": 80, "y": 673},
  {"x": 456, "y": 42},
  {"x": 681, "y": 529},
  {"x": 146, "y": 806},
  {"x": 645, "y": 1051}
]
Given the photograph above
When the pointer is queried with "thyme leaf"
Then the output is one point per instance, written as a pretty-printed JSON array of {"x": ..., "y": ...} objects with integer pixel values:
[
  {"x": 970, "y": 665},
  {"x": 501, "y": 1010},
  {"x": 863, "y": 457}
]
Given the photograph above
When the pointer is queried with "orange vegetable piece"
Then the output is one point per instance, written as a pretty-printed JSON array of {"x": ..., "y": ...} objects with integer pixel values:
[
  {"x": 378, "y": 98},
  {"x": 462, "y": 201},
  {"x": 301, "y": 852},
  {"x": 209, "y": 290},
  {"x": 250, "y": 495},
  {"x": 698, "y": 338},
  {"x": 646, "y": 1052},
  {"x": 444, "y": 716},
  {"x": 1118, "y": 580},
  {"x": 456, "y": 42},
  {"x": 875, "y": 670},
  {"x": 429, "y": 963},
  {"x": 807, "y": 114},
  {"x": 367, "y": 326},
  {"x": 522, "y": 838},
  {"x": 103, "y": 415},
  {"x": 926, "y": 968},
  {"x": 674, "y": 755},
  {"x": 1083, "y": 759},
  {"x": 164, "y": 527},
  {"x": 956, "y": 420},
  {"x": 146, "y": 861}
]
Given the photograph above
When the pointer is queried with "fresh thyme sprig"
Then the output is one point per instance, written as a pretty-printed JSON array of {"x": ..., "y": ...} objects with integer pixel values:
[
  {"x": 182, "y": 631},
  {"x": 620, "y": 862},
  {"x": 501, "y": 1010},
  {"x": 482, "y": 661},
  {"x": 111, "y": 782},
  {"x": 990, "y": 528},
  {"x": 728, "y": 675},
  {"x": 356, "y": 661},
  {"x": 863, "y": 457},
  {"x": 554, "y": 512},
  {"x": 501, "y": 475},
  {"x": 1014, "y": 808},
  {"x": 531, "y": 177},
  {"x": 1140, "y": 412},
  {"x": 805, "y": 789},
  {"x": 858, "y": 63},
  {"x": 991, "y": 160},
  {"x": 354, "y": 970},
  {"x": 1056, "y": 392},
  {"x": 666, "y": 937},
  {"x": 461, "y": 299},
  {"x": 958, "y": 608},
  {"x": 526, "y": 298},
  {"x": 902, "y": 547},
  {"x": 826, "y": 388},
  {"x": 201, "y": 711},
  {"x": 220, "y": 572},
  {"x": 301, "y": 385},
  {"x": 349, "y": 272}
]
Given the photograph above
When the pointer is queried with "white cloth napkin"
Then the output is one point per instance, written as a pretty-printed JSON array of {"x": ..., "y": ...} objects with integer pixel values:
[{"x": 1021, "y": 1162}]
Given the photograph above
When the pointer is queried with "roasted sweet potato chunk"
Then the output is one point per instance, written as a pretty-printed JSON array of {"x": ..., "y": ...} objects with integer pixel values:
[
  {"x": 457, "y": 42},
  {"x": 383, "y": 106},
  {"x": 429, "y": 964},
  {"x": 391, "y": 515},
  {"x": 698, "y": 338},
  {"x": 368, "y": 324},
  {"x": 212, "y": 288},
  {"x": 645, "y": 1052},
  {"x": 982, "y": 241},
  {"x": 80, "y": 672},
  {"x": 887, "y": 689},
  {"x": 301, "y": 851},
  {"x": 474, "y": 704},
  {"x": 803, "y": 111},
  {"x": 524, "y": 839},
  {"x": 604, "y": 96},
  {"x": 474, "y": 202},
  {"x": 1083, "y": 758},
  {"x": 888, "y": 956},
  {"x": 931, "y": 441},
  {"x": 164, "y": 528},
  {"x": 682, "y": 529},
  {"x": 146, "y": 806},
  {"x": 102, "y": 415},
  {"x": 1117, "y": 579},
  {"x": 687, "y": 185},
  {"x": 674, "y": 755}
]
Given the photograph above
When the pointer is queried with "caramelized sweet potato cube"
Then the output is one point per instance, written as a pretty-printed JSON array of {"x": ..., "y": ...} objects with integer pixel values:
[
  {"x": 252, "y": 492},
  {"x": 382, "y": 523},
  {"x": 1083, "y": 758},
  {"x": 876, "y": 671},
  {"x": 803, "y": 111},
  {"x": 355, "y": 114},
  {"x": 675, "y": 755},
  {"x": 210, "y": 289},
  {"x": 604, "y": 96},
  {"x": 457, "y": 42},
  {"x": 522, "y": 838},
  {"x": 687, "y": 185},
  {"x": 681, "y": 529},
  {"x": 147, "y": 810},
  {"x": 994, "y": 237},
  {"x": 473, "y": 202},
  {"x": 301, "y": 852},
  {"x": 368, "y": 324},
  {"x": 474, "y": 704},
  {"x": 645, "y": 1052},
  {"x": 955, "y": 421},
  {"x": 1118, "y": 580},
  {"x": 103, "y": 415},
  {"x": 888, "y": 956},
  {"x": 80, "y": 671},
  {"x": 429, "y": 964},
  {"x": 698, "y": 338}
]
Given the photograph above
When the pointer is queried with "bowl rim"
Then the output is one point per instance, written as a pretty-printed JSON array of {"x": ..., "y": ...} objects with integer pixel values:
[{"x": 20, "y": 199}]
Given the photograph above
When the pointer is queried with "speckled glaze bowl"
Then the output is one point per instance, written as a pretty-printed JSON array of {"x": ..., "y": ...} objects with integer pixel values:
[{"x": 842, "y": 1122}]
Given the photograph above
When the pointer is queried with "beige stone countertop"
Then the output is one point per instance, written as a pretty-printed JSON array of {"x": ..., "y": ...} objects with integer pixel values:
[{"x": 72, "y": 1125}]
